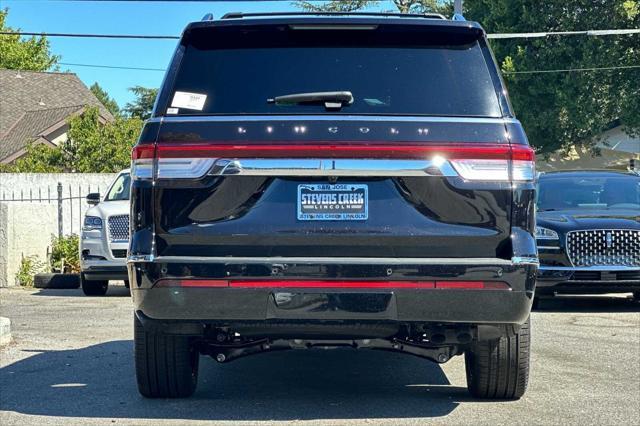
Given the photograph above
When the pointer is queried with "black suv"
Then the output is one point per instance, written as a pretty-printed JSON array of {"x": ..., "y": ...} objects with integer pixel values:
[
  {"x": 332, "y": 180},
  {"x": 588, "y": 232}
]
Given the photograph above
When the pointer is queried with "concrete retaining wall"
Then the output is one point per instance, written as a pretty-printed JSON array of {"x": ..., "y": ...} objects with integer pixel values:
[{"x": 26, "y": 227}]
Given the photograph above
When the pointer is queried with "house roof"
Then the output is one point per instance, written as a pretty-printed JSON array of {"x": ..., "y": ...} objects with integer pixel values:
[{"x": 31, "y": 102}]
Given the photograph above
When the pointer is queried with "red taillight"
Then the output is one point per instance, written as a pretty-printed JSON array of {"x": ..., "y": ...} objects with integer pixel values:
[
  {"x": 473, "y": 161},
  {"x": 351, "y": 284},
  {"x": 343, "y": 150},
  {"x": 142, "y": 158}
]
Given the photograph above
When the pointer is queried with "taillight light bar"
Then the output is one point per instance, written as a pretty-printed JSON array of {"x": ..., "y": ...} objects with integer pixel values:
[
  {"x": 476, "y": 162},
  {"x": 349, "y": 284}
]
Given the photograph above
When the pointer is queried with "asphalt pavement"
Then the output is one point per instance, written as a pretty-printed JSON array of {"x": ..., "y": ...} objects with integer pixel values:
[{"x": 71, "y": 363}]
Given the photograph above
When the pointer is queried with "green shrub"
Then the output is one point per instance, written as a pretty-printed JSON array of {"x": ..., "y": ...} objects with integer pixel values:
[
  {"x": 64, "y": 254},
  {"x": 29, "y": 266}
]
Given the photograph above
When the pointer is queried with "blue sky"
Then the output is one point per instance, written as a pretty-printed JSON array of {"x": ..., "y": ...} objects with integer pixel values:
[{"x": 121, "y": 17}]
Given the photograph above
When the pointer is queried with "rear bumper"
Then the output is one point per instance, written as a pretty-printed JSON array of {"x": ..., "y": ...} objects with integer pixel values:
[
  {"x": 587, "y": 280},
  {"x": 228, "y": 306}
]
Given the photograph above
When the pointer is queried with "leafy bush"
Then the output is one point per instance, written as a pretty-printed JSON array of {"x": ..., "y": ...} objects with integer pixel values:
[
  {"x": 29, "y": 266},
  {"x": 64, "y": 254}
]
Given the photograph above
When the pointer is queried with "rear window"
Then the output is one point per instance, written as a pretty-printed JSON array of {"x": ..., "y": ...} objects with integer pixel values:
[{"x": 436, "y": 80}]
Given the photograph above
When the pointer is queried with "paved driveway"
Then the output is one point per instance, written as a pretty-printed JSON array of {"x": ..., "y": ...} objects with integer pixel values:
[{"x": 71, "y": 363}]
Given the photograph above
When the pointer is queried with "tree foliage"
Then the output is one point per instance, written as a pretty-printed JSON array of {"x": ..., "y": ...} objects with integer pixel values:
[
  {"x": 143, "y": 105},
  {"x": 403, "y": 6},
  {"x": 92, "y": 147},
  {"x": 562, "y": 109},
  {"x": 17, "y": 53},
  {"x": 106, "y": 100}
]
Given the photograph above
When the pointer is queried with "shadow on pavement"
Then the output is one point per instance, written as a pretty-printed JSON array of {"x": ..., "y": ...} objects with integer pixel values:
[
  {"x": 99, "y": 381},
  {"x": 114, "y": 291},
  {"x": 607, "y": 304}
]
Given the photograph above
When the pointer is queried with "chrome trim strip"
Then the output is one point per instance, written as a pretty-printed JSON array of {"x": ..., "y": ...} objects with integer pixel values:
[
  {"x": 548, "y": 248},
  {"x": 140, "y": 258},
  {"x": 589, "y": 268},
  {"x": 525, "y": 260},
  {"x": 484, "y": 261},
  {"x": 373, "y": 118},
  {"x": 330, "y": 167}
]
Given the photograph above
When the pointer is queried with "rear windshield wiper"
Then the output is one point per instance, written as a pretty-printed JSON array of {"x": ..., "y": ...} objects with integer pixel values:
[{"x": 331, "y": 100}]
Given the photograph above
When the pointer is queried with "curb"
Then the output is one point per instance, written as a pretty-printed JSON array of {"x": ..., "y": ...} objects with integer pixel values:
[
  {"x": 57, "y": 281},
  {"x": 5, "y": 331}
]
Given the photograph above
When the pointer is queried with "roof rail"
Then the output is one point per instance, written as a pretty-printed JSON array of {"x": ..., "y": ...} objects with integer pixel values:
[
  {"x": 239, "y": 15},
  {"x": 208, "y": 17}
]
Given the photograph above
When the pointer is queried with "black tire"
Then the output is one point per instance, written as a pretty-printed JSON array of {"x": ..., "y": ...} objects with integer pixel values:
[
  {"x": 94, "y": 288},
  {"x": 166, "y": 365},
  {"x": 499, "y": 369},
  {"x": 57, "y": 281}
]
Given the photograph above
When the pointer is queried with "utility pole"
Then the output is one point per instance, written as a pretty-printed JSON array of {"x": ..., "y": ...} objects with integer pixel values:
[{"x": 457, "y": 7}]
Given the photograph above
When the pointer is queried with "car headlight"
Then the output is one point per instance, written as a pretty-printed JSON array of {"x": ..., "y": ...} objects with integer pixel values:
[
  {"x": 545, "y": 234},
  {"x": 91, "y": 223}
]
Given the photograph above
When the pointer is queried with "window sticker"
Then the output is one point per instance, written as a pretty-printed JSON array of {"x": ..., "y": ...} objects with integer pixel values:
[
  {"x": 173, "y": 110},
  {"x": 189, "y": 100}
]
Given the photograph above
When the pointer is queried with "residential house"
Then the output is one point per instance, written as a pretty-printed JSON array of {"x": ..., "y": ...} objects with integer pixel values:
[
  {"x": 617, "y": 149},
  {"x": 35, "y": 108}
]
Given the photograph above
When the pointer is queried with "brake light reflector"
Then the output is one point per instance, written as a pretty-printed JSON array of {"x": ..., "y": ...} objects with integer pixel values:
[
  {"x": 183, "y": 168},
  {"x": 142, "y": 162},
  {"x": 518, "y": 166}
]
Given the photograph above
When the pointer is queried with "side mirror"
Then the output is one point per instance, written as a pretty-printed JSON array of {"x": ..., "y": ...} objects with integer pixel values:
[{"x": 93, "y": 198}]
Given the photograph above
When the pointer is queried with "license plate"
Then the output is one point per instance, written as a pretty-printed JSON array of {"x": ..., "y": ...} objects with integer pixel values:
[{"x": 333, "y": 202}]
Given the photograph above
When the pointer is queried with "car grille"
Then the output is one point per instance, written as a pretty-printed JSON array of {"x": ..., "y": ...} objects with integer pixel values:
[
  {"x": 119, "y": 254},
  {"x": 119, "y": 227},
  {"x": 604, "y": 247}
]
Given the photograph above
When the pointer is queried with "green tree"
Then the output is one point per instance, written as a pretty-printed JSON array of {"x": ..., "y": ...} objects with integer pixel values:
[
  {"x": 93, "y": 147},
  {"x": 562, "y": 109},
  {"x": 17, "y": 53},
  {"x": 106, "y": 100},
  {"x": 143, "y": 105},
  {"x": 403, "y": 6}
]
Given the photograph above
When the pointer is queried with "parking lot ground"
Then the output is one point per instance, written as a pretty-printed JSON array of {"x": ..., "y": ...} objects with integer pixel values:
[{"x": 71, "y": 364}]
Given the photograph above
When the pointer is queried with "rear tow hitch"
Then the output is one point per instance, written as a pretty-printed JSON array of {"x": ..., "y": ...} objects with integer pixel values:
[{"x": 229, "y": 351}]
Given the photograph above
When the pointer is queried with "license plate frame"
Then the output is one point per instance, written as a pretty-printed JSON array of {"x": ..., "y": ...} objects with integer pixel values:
[{"x": 334, "y": 202}]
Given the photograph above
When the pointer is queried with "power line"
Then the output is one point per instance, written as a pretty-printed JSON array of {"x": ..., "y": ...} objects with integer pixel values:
[
  {"x": 619, "y": 67},
  {"x": 590, "y": 33},
  {"x": 565, "y": 33},
  {"x": 71, "y": 64},
  {"x": 76, "y": 35}
]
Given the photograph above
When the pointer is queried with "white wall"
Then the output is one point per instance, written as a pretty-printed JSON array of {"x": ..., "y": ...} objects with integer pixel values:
[
  {"x": 34, "y": 186},
  {"x": 26, "y": 227},
  {"x": 26, "y": 231}
]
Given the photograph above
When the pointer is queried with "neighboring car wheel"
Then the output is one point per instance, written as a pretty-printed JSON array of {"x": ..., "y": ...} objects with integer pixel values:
[
  {"x": 93, "y": 288},
  {"x": 499, "y": 369},
  {"x": 166, "y": 365}
]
